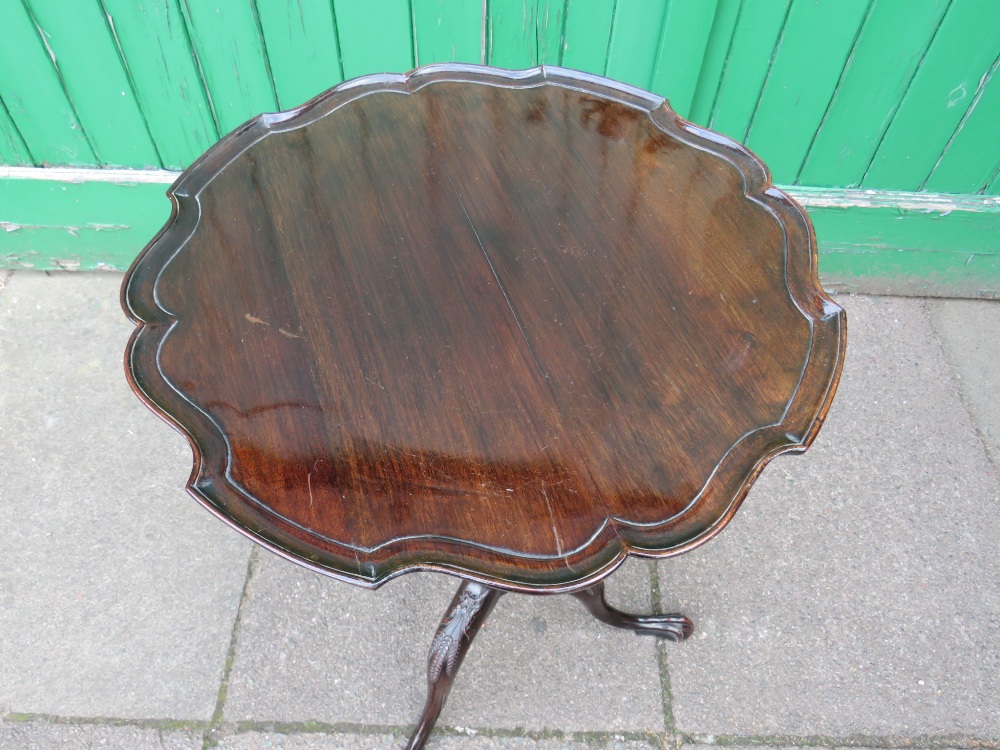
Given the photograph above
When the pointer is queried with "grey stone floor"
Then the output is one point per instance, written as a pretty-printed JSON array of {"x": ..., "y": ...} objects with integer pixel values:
[{"x": 854, "y": 600}]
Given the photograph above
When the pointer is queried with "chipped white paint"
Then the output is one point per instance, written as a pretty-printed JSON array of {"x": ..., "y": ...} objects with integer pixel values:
[
  {"x": 904, "y": 201},
  {"x": 77, "y": 175},
  {"x": 965, "y": 118},
  {"x": 483, "y": 50},
  {"x": 956, "y": 95},
  {"x": 66, "y": 264},
  {"x": 808, "y": 197},
  {"x": 10, "y": 226}
]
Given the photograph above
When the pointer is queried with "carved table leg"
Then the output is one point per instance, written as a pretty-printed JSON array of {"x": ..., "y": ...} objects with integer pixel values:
[
  {"x": 465, "y": 616},
  {"x": 672, "y": 627}
]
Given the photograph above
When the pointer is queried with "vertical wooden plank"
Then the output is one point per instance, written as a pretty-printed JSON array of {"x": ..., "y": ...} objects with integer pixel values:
[
  {"x": 302, "y": 47},
  {"x": 227, "y": 41},
  {"x": 375, "y": 37},
  {"x": 815, "y": 46},
  {"x": 550, "y": 28},
  {"x": 34, "y": 96},
  {"x": 973, "y": 153},
  {"x": 154, "y": 43},
  {"x": 887, "y": 54},
  {"x": 588, "y": 34},
  {"x": 448, "y": 31},
  {"x": 635, "y": 40},
  {"x": 511, "y": 33},
  {"x": 754, "y": 43},
  {"x": 964, "y": 48},
  {"x": 86, "y": 58},
  {"x": 720, "y": 39},
  {"x": 994, "y": 187},
  {"x": 686, "y": 28},
  {"x": 13, "y": 152}
]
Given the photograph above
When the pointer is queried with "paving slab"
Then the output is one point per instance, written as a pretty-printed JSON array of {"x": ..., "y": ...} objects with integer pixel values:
[
  {"x": 340, "y": 741},
  {"x": 858, "y": 589},
  {"x": 755, "y": 746},
  {"x": 311, "y": 648},
  {"x": 548, "y": 664},
  {"x": 117, "y": 591},
  {"x": 970, "y": 335},
  {"x": 46, "y": 735}
]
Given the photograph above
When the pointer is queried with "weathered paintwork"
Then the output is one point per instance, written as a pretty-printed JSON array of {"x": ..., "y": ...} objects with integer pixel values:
[{"x": 889, "y": 95}]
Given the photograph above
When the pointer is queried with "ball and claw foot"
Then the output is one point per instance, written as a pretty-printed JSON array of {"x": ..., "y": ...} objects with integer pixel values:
[{"x": 673, "y": 627}]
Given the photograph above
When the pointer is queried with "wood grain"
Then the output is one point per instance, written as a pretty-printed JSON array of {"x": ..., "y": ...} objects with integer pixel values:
[
  {"x": 820, "y": 35},
  {"x": 508, "y": 325},
  {"x": 890, "y": 46},
  {"x": 83, "y": 48},
  {"x": 374, "y": 41},
  {"x": 752, "y": 49},
  {"x": 448, "y": 31},
  {"x": 303, "y": 48},
  {"x": 687, "y": 26},
  {"x": 232, "y": 59},
  {"x": 165, "y": 76},
  {"x": 720, "y": 38},
  {"x": 964, "y": 49},
  {"x": 34, "y": 97},
  {"x": 972, "y": 156}
]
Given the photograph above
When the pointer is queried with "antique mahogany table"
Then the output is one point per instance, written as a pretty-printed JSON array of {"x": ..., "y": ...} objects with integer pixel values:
[{"x": 511, "y": 326}]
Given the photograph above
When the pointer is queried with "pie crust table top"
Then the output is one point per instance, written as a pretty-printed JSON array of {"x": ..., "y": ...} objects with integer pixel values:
[{"x": 509, "y": 325}]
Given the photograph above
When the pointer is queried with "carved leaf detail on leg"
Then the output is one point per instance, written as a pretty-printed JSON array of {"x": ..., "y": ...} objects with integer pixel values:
[
  {"x": 443, "y": 652},
  {"x": 444, "y": 647}
]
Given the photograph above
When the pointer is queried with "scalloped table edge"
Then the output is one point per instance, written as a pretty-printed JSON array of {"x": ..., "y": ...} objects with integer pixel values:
[{"x": 616, "y": 538}]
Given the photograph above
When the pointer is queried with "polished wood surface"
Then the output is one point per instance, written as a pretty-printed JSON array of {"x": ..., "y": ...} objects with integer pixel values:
[{"x": 512, "y": 326}]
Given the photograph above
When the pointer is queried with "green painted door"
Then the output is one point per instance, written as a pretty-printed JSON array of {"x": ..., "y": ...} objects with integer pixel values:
[{"x": 881, "y": 116}]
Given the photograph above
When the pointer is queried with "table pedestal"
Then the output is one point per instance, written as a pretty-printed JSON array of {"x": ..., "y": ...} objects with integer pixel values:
[{"x": 467, "y": 614}]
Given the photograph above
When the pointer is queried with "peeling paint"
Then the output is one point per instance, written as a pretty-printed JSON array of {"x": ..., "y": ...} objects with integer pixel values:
[
  {"x": 956, "y": 95},
  {"x": 79, "y": 175},
  {"x": 943, "y": 203},
  {"x": 10, "y": 226}
]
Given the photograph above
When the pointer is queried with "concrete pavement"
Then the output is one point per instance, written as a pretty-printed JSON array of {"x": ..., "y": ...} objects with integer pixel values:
[{"x": 131, "y": 618}]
